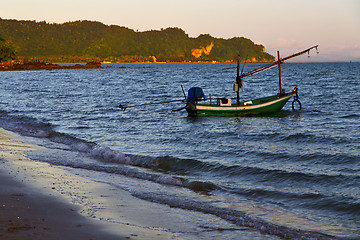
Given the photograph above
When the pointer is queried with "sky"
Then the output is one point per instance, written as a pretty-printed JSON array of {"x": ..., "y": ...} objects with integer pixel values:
[{"x": 287, "y": 26}]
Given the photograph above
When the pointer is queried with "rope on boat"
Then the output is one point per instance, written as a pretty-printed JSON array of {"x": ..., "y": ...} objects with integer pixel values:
[{"x": 146, "y": 104}]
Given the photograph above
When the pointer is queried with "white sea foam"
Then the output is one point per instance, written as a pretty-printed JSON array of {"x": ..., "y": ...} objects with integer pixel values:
[
  {"x": 169, "y": 180},
  {"x": 107, "y": 154}
]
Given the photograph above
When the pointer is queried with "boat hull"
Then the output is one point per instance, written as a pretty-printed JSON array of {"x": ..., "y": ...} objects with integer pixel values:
[{"x": 267, "y": 105}]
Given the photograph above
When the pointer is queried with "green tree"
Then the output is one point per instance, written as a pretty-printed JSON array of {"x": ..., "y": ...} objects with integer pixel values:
[
  {"x": 7, "y": 51},
  {"x": 81, "y": 41}
]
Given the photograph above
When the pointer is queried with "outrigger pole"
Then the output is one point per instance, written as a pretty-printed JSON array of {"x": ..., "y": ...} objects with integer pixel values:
[{"x": 278, "y": 62}]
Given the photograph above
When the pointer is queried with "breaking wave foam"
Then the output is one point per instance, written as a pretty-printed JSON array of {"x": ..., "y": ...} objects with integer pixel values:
[{"x": 33, "y": 128}]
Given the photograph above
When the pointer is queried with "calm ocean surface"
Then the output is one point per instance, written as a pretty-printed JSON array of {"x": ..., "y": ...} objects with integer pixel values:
[{"x": 290, "y": 175}]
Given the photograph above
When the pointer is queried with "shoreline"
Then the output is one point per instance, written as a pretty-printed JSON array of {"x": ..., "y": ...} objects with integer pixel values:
[
  {"x": 43, "y": 201},
  {"x": 26, "y": 212},
  {"x": 35, "y": 203},
  {"x": 9, "y": 66}
]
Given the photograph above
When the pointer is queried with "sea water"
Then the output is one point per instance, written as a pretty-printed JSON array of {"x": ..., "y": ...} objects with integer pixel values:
[{"x": 293, "y": 174}]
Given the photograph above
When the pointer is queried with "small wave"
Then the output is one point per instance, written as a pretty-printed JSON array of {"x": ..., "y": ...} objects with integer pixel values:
[
  {"x": 306, "y": 138},
  {"x": 166, "y": 164},
  {"x": 31, "y": 127},
  {"x": 133, "y": 172},
  {"x": 329, "y": 158},
  {"x": 170, "y": 164},
  {"x": 312, "y": 201},
  {"x": 343, "y": 206},
  {"x": 109, "y": 155},
  {"x": 163, "y": 165},
  {"x": 25, "y": 126},
  {"x": 192, "y": 167},
  {"x": 299, "y": 136},
  {"x": 235, "y": 216},
  {"x": 351, "y": 116},
  {"x": 282, "y": 176},
  {"x": 204, "y": 187}
]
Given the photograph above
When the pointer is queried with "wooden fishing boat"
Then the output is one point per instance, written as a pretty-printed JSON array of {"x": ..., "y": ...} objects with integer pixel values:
[
  {"x": 225, "y": 107},
  {"x": 264, "y": 105}
]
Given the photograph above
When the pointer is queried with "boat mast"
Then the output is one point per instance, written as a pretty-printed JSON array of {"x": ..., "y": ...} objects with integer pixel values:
[
  {"x": 279, "y": 66},
  {"x": 238, "y": 81}
]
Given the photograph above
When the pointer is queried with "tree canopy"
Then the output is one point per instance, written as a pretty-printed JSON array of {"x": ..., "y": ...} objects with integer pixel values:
[
  {"x": 82, "y": 41},
  {"x": 7, "y": 51}
]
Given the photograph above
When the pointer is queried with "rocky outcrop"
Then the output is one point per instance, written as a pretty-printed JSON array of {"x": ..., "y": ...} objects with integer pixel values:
[
  {"x": 9, "y": 66},
  {"x": 198, "y": 52}
]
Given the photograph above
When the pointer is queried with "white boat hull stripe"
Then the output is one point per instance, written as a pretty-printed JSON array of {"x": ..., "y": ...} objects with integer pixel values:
[{"x": 245, "y": 107}]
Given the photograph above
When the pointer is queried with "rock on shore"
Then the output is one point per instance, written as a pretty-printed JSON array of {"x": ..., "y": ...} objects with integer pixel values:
[{"x": 8, "y": 66}]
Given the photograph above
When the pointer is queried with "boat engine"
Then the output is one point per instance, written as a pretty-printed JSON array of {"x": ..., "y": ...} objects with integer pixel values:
[{"x": 195, "y": 94}]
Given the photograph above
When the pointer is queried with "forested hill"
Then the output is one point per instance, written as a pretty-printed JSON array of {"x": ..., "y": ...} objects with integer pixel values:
[{"x": 84, "y": 41}]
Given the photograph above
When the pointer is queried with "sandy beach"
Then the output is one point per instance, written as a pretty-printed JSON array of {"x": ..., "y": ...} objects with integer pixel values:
[
  {"x": 33, "y": 203},
  {"x": 42, "y": 201},
  {"x": 29, "y": 213}
]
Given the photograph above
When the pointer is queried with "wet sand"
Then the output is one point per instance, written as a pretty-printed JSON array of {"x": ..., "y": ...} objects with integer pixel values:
[
  {"x": 28, "y": 213},
  {"x": 42, "y": 201},
  {"x": 32, "y": 205}
]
